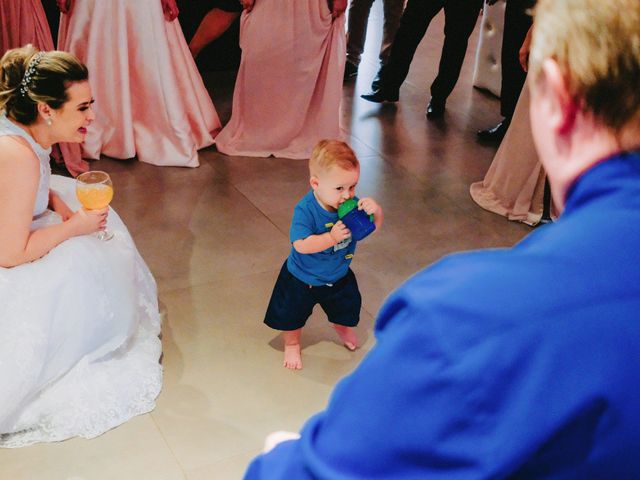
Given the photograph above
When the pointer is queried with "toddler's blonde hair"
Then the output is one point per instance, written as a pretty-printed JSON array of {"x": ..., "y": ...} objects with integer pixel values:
[
  {"x": 596, "y": 44},
  {"x": 330, "y": 153}
]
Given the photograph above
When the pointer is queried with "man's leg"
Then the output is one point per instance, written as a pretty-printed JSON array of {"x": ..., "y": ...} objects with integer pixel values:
[
  {"x": 214, "y": 24},
  {"x": 392, "y": 15},
  {"x": 461, "y": 17},
  {"x": 516, "y": 25},
  {"x": 356, "y": 34},
  {"x": 413, "y": 26}
]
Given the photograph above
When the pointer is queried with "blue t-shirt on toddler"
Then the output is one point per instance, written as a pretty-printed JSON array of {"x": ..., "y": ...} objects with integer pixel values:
[{"x": 327, "y": 266}]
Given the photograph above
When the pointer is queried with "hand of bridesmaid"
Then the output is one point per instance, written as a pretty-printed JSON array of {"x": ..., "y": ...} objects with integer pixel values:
[
  {"x": 337, "y": 7},
  {"x": 65, "y": 6},
  {"x": 247, "y": 4},
  {"x": 170, "y": 10}
]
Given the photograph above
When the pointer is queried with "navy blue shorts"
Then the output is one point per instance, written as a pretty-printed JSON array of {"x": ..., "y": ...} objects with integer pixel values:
[{"x": 292, "y": 301}]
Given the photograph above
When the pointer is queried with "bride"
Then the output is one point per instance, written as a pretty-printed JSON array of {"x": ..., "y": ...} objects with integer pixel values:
[{"x": 79, "y": 322}]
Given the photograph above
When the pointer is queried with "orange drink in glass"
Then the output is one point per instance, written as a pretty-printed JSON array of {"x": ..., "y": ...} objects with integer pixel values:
[{"x": 95, "y": 191}]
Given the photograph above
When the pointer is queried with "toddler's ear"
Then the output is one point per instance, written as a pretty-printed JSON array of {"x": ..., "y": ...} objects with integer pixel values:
[{"x": 313, "y": 181}]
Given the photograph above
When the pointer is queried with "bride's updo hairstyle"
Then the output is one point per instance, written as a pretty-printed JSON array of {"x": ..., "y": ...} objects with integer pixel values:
[{"x": 29, "y": 77}]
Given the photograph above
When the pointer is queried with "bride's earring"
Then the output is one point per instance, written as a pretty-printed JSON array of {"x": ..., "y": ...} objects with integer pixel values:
[{"x": 48, "y": 121}]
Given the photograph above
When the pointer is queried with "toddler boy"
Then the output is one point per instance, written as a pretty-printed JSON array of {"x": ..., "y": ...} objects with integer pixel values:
[{"x": 317, "y": 269}]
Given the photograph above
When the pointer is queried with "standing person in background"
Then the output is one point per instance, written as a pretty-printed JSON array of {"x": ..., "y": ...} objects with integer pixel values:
[
  {"x": 357, "y": 31},
  {"x": 514, "y": 185},
  {"x": 516, "y": 363},
  {"x": 214, "y": 24},
  {"x": 460, "y": 20},
  {"x": 151, "y": 102},
  {"x": 24, "y": 22},
  {"x": 517, "y": 22},
  {"x": 289, "y": 84}
]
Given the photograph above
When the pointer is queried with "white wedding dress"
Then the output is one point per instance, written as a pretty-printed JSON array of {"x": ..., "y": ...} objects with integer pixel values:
[{"x": 79, "y": 346}]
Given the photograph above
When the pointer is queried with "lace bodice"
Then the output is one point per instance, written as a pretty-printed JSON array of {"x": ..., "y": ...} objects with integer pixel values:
[{"x": 42, "y": 197}]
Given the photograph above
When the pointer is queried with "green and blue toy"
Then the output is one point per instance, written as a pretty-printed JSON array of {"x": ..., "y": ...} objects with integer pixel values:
[{"x": 356, "y": 220}]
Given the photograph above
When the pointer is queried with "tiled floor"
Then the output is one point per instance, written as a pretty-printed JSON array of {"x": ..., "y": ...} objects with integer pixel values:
[{"x": 215, "y": 238}]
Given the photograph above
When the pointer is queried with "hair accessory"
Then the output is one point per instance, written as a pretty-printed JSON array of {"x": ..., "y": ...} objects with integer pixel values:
[{"x": 31, "y": 69}]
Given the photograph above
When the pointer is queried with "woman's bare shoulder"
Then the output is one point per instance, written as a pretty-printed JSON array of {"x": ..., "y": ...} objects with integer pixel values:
[{"x": 17, "y": 155}]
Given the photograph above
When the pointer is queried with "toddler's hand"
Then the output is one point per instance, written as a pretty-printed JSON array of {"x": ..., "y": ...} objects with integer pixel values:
[
  {"x": 84, "y": 222},
  {"x": 369, "y": 205},
  {"x": 339, "y": 232}
]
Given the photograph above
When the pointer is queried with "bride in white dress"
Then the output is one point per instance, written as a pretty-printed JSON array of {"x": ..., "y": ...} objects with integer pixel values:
[{"x": 79, "y": 322}]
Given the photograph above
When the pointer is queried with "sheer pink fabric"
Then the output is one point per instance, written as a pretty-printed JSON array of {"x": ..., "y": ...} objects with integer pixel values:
[
  {"x": 289, "y": 85},
  {"x": 24, "y": 21},
  {"x": 514, "y": 184},
  {"x": 150, "y": 99}
]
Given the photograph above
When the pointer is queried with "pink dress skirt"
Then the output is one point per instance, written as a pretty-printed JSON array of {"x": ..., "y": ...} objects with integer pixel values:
[
  {"x": 514, "y": 184},
  {"x": 23, "y": 22},
  {"x": 289, "y": 85},
  {"x": 151, "y": 102}
]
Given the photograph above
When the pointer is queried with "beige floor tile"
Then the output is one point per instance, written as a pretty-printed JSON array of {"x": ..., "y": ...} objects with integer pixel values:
[{"x": 135, "y": 450}]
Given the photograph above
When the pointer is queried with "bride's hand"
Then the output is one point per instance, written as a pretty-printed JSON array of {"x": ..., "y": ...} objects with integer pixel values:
[{"x": 84, "y": 222}]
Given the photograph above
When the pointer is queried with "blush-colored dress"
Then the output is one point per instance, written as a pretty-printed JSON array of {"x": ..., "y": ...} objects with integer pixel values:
[
  {"x": 289, "y": 85},
  {"x": 150, "y": 99},
  {"x": 514, "y": 184},
  {"x": 79, "y": 346},
  {"x": 23, "y": 22}
]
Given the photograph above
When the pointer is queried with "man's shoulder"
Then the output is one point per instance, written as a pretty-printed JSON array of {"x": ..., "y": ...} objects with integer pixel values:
[{"x": 469, "y": 287}]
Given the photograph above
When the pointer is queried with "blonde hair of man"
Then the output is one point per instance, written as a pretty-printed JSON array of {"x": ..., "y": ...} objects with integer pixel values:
[
  {"x": 596, "y": 44},
  {"x": 332, "y": 153}
]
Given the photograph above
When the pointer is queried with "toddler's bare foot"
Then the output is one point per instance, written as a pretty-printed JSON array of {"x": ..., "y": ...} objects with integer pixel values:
[
  {"x": 292, "y": 357},
  {"x": 348, "y": 336}
]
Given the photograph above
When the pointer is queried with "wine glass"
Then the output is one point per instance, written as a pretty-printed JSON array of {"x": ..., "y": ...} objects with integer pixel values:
[{"x": 95, "y": 191}]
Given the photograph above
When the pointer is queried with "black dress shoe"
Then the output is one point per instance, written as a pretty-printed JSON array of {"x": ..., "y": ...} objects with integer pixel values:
[
  {"x": 350, "y": 71},
  {"x": 380, "y": 95},
  {"x": 435, "y": 109},
  {"x": 494, "y": 134}
]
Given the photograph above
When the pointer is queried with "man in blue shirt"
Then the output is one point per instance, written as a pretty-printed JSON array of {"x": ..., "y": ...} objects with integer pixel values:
[{"x": 521, "y": 362}]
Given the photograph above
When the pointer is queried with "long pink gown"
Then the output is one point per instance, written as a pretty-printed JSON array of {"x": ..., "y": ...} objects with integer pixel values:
[
  {"x": 23, "y": 22},
  {"x": 150, "y": 99},
  {"x": 289, "y": 85},
  {"x": 514, "y": 184}
]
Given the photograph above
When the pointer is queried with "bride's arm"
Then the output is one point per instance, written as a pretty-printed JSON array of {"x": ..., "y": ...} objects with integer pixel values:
[{"x": 19, "y": 177}]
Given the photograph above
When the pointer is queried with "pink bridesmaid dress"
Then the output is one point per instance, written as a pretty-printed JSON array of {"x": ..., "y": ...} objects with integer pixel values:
[
  {"x": 514, "y": 184},
  {"x": 289, "y": 85},
  {"x": 151, "y": 102},
  {"x": 23, "y": 22}
]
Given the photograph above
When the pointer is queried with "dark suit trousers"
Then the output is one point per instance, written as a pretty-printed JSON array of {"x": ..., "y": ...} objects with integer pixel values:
[
  {"x": 516, "y": 25},
  {"x": 460, "y": 20}
]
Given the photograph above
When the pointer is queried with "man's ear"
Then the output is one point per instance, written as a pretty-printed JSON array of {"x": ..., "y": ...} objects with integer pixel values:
[
  {"x": 562, "y": 108},
  {"x": 313, "y": 181}
]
